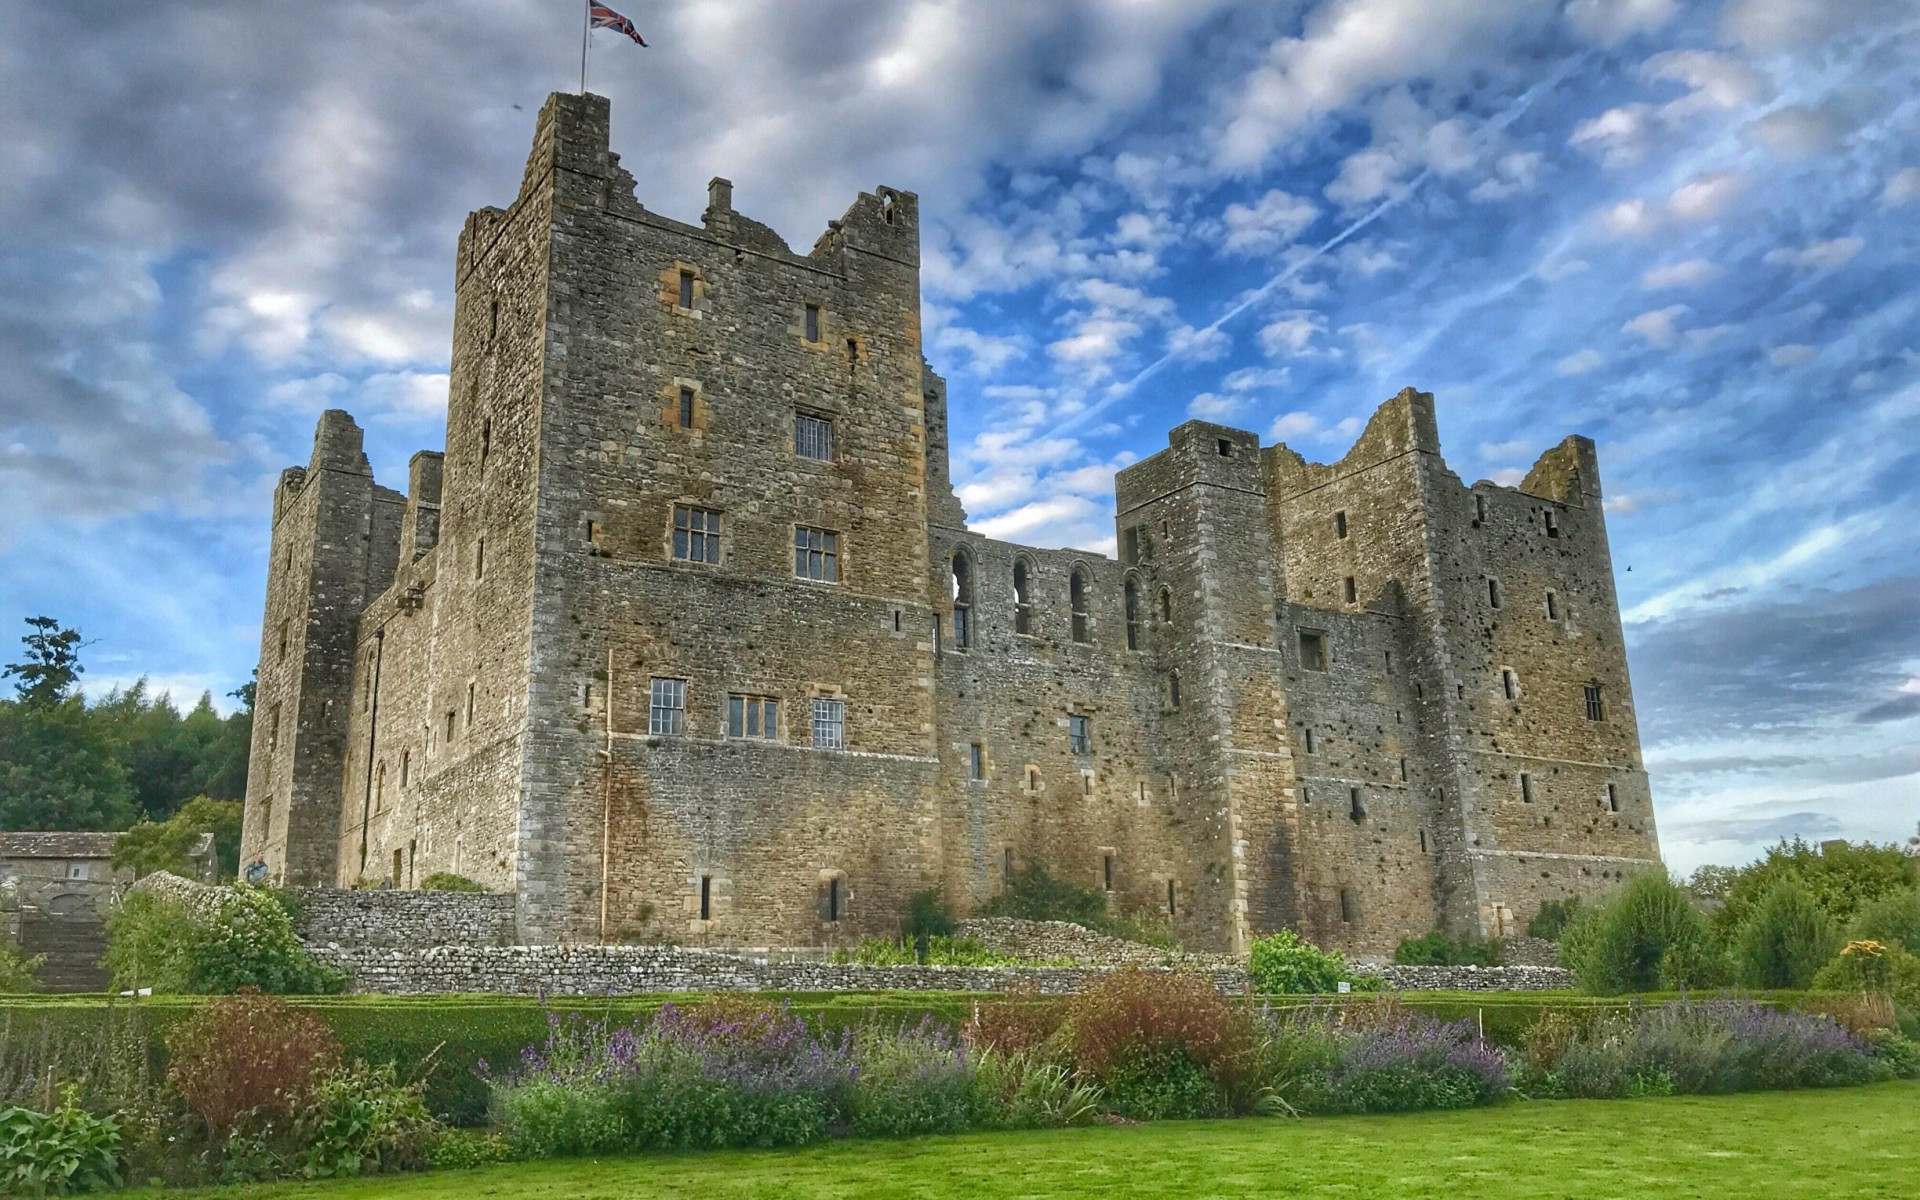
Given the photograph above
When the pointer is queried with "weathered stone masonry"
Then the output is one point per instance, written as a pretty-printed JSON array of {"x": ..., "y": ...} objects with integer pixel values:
[{"x": 1333, "y": 697}]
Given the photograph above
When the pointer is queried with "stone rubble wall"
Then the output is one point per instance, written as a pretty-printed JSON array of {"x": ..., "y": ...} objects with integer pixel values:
[
  {"x": 404, "y": 919},
  {"x": 1064, "y": 939},
  {"x": 1476, "y": 979}
]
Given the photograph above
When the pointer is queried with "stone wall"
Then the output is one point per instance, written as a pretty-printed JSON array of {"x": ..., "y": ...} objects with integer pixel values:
[
  {"x": 404, "y": 920},
  {"x": 1477, "y": 979}
]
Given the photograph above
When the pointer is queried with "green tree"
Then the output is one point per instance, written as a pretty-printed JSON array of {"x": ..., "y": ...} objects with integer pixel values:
[
  {"x": 1840, "y": 877},
  {"x": 1893, "y": 919},
  {"x": 1032, "y": 894},
  {"x": 1644, "y": 936},
  {"x": 164, "y": 845},
  {"x": 1786, "y": 940},
  {"x": 170, "y": 758},
  {"x": 52, "y": 667},
  {"x": 58, "y": 769}
]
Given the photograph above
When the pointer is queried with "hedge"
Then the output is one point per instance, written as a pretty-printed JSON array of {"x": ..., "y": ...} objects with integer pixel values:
[{"x": 444, "y": 1038}]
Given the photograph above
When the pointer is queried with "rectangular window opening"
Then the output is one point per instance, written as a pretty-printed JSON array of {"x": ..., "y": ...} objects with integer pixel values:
[
  {"x": 1006, "y": 866},
  {"x": 667, "y": 708},
  {"x": 1313, "y": 651},
  {"x": 706, "y": 897},
  {"x": 1403, "y": 770},
  {"x": 686, "y": 289},
  {"x": 1133, "y": 544},
  {"x": 1479, "y": 509},
  {"x": 696, "y": 534},
  {"x": 1613, "y": 798},
  {"x": 1224, "y": 446},
  {"x": 1079, "y": 734},
  {"x": 1509, "y": 684},
  {"x": 480, "y": 559},
  {"x": 1106, "y": 872},
  {"x": 1353, "y": 590},
  {"x": 1172, "y": 901},
  {"x": 813, "y": 437},
  {"x": 833, "y": 899},
  {"x": 1340, "y": 524},
  {"x": 1493, "y": 593},
  {"x": 754, "y": 718},
  {"x": 1553, "y": 526},
  {"x": 816, "y": 554},
  {"x": 1356, "y": 807},
  {"x": 1553, "y": 607},
  {"x": 976, "y": 762},
  {"x": 829, "y": 724},
  {"x": 1423, "y": 841},
  {"x": 1526, "y": 788},
  {"x": 1349, "y": 909},
  {"x": 813, "y": 322},
  {"x": 1596, "y": 710},
  {"x": 1033, "y": 779},
  {"x": 1309, "y": 739}
]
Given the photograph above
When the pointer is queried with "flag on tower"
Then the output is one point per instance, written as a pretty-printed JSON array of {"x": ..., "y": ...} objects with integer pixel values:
[{"x": 602, "y": 17}]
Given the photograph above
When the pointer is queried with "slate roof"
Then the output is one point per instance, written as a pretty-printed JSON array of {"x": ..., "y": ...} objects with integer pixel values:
[{"x": 57, "y": 845}]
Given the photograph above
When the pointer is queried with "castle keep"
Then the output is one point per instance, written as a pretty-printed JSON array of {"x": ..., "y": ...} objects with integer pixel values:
[{"x": 685, "y": 637}]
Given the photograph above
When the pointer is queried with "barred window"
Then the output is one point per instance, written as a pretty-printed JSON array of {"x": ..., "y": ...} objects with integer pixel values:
[
  {"x": 686, "y": 289},
  {"x": 755, "y": 717},
  {"x": 686, "y": 408},
  {"x": 1079, "y": 734},
  {"x": 696, "y": 534},
  {"x": 816, "y": 554},
  {"x": 667, "y": 708},
  {"x": 1596, "y": 708},
  {"x": 830, "y": 724},
  {"x": 813, "y": 437}
]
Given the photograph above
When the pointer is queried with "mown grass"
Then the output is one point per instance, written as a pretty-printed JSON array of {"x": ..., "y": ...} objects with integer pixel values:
[{"x": 1851, "y": 1142}]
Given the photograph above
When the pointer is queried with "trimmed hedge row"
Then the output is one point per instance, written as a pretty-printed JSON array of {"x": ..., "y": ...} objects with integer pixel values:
[{"x": 444, "y": 1039}]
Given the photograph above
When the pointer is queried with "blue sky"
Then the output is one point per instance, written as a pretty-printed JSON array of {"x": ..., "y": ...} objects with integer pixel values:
[{"x": 1689, "y": 231}]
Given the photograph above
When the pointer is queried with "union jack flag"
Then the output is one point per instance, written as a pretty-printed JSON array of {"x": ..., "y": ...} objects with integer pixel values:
[{"x": 603, "y": 17}]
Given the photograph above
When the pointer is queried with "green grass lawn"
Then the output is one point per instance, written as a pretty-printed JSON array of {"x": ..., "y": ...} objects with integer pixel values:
[{"x": 1847, "y": 1142}]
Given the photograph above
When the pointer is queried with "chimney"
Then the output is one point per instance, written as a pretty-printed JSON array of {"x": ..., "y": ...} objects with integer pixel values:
[{"x": 720, "y": 194}]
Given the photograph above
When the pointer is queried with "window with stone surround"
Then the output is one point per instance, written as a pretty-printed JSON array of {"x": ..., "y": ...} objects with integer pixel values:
[
  {"x": 962, "y": 601},
  {"x": 1340, "y": 524},
  {"x": 1313, "y": 650},
  {"x": 686, "y": 408},
  {"x": 813, "y": 323},
  {"x": 686, "y": 288},
  {"x": 813, "y": 437},
  {"x": 667, "y": 708},
  {"x": 1132, "y": 597},
  {"x": 706, "y": 897},
  {"x": 1022, "y": 597},
  {"x": 406, "y": 767},
  {"x": 976, "y": 762},
  {"x": 696, "y": 534},
  {"x": 1166, "y": 606},
  {"x": 1080, "y": 604},
  {"x": 833, "y": 898},
  {"x": 1079, "y": 734},
  {"x": 1106, "y": 872},
  {"x": 1173, "y": 906},
  {"x": 1596, "y": 707},
  {"x": 816, "y": 554},
  {"x": 829, "y": 724},
  {"x": 756, "y": 718}
]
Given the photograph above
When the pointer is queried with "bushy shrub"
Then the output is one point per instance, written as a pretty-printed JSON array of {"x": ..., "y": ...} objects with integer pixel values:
[
  {"x": 1031, "y": 894},
  {"x": 1150, "y": 1037},
  {"x": 447, "y": 881},
  {"x": 164, "y": 845},
  {"x": 1436, "y": 949},
  {"x": 17, "y": 970},
  {"x": 910, "y": 1081},
  {"x": 361, "y": 1120},
  {"x": 1553, "y": 918},
  {"x": 1786, "y": 940},
  {"x": 1694, "y": 1047},
  {"x": 247, "y": 941},
  {"x": 57, "y": 1153},
  {"x": 1867, "y": 966},
  {"x": 1892, "y": 920},
  {"x": 1646, "y": 935},
  {"x": 937, "y": 951},
  {"x": 248, "y": 1054},
  {"x": 1842, "y": 878},
  {"x": 1030, "y": 1091},
  {"x": 1282, "y": 964},
  {"x": 1379, "y": 1056},
  {"x": 1018, "y": 1023}
]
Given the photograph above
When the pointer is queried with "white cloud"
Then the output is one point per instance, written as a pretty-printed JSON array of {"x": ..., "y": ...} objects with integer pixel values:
[
  {"x": 1512, "y": 449},
  {"x": 1246, "y": 379},
  {"x": 1797, "y": 131},
  {"x": 1705, "y": 197},
  {"x": 1198, "y": 345},
  {"x": 1818, "y": 256},
  {"x": 1292, "y": 335},
  {"x": 1514, "y": 173},
  {"x": 1724, "y": 584},
  {"x": 1714, "y": 81},
  {"x": 1579, "y": 362},
  {"x": 1556, "y": 269},
  {"x": 1617, "y": 137},
  {"x": 1211, "y": 406},
  {"x": 1625, "y": 504},
  {"x": 1292, "y": 425},
  {"x": 1270, "y": 224},
  {"x": 1657, "y": 326},
  {"x": 1690, "y": 273},
  {"x": 1609, "y": 22},
  {"x": 1790, "y": 355},
  {"x": 1903, "y": 188}
]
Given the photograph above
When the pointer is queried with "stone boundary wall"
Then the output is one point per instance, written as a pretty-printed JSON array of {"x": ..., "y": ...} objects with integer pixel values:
[
  {"x": 1476, "y": 979},
  {"x": 404, "y": 919},
  {"x": 1064, "y": 939},
  {"x": 198, "y": 897},
  {"x": 626, "y": 970}
]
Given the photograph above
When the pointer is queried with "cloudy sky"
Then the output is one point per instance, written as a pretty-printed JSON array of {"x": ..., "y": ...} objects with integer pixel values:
[{"x": 1689, "y": 231}]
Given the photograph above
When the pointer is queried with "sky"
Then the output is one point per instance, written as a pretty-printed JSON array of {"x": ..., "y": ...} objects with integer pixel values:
[{"x": 1688, "y": 231}]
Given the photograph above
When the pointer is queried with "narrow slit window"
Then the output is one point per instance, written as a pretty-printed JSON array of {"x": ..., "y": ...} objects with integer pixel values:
[
  {"x": 1526, "y": 788},
  {"x": 1340, "y": 524},
  {"x": 962, "y": 602},
  {"x": 1423, "y": 841},
  {"x": 976, "y": 762},
  {"x": 833, "y": 899},
  {"x": 1022, "y": 598},
  {"x": 1106, "y": 872},
  {"x": 1493, "y": 593},
  {"x": 1006, "y": 866},
  {"x": 1510, "y": 684},
  {"x": 706, "y": 897},
  {"x": 1353, "y": 590},
  {"x": 1613, "y": 798},
  {"x": 1309, "y": 739},
  {"x": 486, "y": 439},
  {"x": 853, "y": 351},
  {"x": 1173, "y": 689},
  {"x": 1033, "y": 779},
  {"x": 813, "y": 322},
  {"x": 686, "y": 289},
  {"x": 1132, "y": 600},
  {"x": 480, "y": 559},
  {"x": 1166, "y": 606},
  {"x": 1479, "y": 508},
  {"x": 471, "y": 694},
  {"x": 1349, "y": 907},
  {"x": 686, "y": 408},
  {"x": 1356, "y": 805},
  {"x": 1403, "y": 770},
  {"x": 1553, "y": 526},
  {"x": 1173, "y": 908},
  {"x": 1553, "y": 607},
  {"x": 1081, "y": 607}
]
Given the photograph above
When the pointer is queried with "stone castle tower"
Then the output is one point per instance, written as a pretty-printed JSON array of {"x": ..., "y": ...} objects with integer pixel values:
[{"x": 686, "y": 639}]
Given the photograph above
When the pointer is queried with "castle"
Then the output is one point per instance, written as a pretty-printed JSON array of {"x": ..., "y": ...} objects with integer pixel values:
[{"x": 685, "y": 638}]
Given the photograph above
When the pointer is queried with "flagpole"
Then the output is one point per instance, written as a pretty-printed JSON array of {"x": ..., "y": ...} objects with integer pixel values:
[{"x": 586, "y": 40}]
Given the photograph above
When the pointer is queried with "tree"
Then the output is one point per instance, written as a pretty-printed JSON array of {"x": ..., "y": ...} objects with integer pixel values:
[
  {"x": 1893, "y": 920},
  {"x": 1786, "y": 940},
  {"x": 164, "y": 845},
  {"x": 58, "y": 769},
  {"x": 1646, "y": 935},
  {"x": 1840, "y": 877},
  {"x": 52, "y": 667}
]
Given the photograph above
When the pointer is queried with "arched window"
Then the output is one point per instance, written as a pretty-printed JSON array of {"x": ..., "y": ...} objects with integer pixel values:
[
  {"x": 1022, "y": 597},
  {"x": 1082, "y": 615},
  {"x": 1133, "y": 614},
  {"x": 1166, "y": 605},
  {"x": 962, "y": 601}
]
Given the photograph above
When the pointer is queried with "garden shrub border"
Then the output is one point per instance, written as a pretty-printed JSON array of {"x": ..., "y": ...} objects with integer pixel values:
[{"x": 451, "y": 1035}]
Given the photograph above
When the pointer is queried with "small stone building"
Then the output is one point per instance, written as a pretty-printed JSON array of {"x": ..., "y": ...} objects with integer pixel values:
[
  {"x": 54, "y": 893},
  {"x": 685, "y": 636}
]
